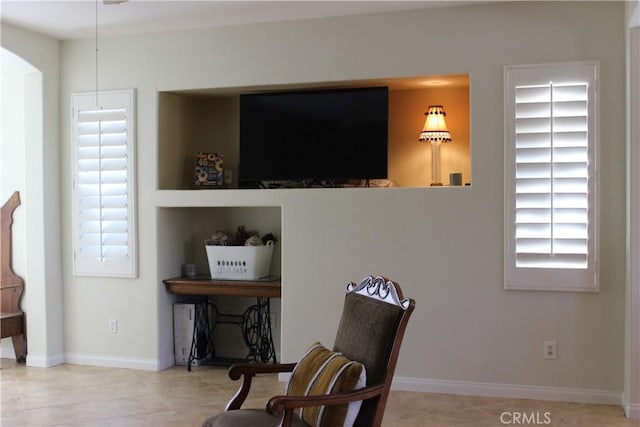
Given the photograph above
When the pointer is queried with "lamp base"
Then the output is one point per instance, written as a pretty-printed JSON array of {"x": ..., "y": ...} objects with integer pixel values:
[{"x": 436, "y": 184}]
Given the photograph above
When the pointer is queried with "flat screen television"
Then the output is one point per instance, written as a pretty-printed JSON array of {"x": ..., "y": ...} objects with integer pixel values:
[{"x": 320, "y": 135}]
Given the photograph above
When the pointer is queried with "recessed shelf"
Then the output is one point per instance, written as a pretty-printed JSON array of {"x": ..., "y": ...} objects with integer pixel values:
[
  {"x": 218, "y": 198},
  {"x": 208, "y": 120}
]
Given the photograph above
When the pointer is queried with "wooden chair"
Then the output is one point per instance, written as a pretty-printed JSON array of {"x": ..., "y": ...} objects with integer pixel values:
[
  {"x": 372, "y": 326},
  {"x": 12, "y": 319}
]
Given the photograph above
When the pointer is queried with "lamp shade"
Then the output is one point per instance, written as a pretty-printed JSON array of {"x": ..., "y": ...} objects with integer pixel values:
[{"x": 435, "y": 128}]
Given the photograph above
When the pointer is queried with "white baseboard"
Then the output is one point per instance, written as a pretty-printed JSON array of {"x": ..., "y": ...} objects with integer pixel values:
[
  {"x": 467, "y": 388},
  {"x": 34, "y": 360},
  {"x": 166, "y": 362},
  {"x": 119, "y": 362},
  {"x": 283, "y": 377},
  {"x": 632, "y": 410},
  {"x": 561, "y": 394},
  {"x": 44, "y": 361}
]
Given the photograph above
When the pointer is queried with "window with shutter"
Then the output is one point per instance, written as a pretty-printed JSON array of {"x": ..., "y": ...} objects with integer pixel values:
[
  {"x": 550, "y": 122},
  {"x": 103, "y": 184}
]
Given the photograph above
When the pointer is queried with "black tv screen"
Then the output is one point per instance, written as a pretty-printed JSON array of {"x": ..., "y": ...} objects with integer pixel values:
[{"x": 332, "y": 135}]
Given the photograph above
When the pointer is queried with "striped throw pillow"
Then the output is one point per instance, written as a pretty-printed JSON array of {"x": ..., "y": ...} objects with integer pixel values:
[{"x": 322, "y": 371}]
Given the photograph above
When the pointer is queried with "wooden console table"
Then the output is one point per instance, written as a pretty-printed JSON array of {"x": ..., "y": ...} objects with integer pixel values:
[
  {"x": 268, "y": 287},
  {"x": 255, "y": 322}
]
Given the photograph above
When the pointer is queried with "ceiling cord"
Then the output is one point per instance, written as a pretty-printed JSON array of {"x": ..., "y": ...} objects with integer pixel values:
[{"x": 96, "y": 53}]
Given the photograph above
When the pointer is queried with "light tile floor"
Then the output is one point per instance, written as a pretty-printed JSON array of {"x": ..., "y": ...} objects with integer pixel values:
[{"x": 72, "y": 395}]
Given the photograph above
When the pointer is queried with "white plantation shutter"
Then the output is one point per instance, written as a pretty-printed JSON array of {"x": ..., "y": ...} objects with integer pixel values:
[
  {"x": 550, "y": 117},
  {"x": 103, "y": 184}
]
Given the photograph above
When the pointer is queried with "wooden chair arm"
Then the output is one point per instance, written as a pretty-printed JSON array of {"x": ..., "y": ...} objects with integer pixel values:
[
  {"x": 239, "y": 369},
  {"x": 284, "y": 405},
  {"x": 248, "y": 371}
]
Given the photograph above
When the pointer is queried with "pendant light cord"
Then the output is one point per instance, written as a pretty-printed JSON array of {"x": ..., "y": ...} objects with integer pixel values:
[{"x": 96, "y": 53}]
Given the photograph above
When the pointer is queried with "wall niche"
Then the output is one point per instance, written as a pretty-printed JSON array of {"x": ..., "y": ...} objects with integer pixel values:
[{"x": 208, "y": 120}]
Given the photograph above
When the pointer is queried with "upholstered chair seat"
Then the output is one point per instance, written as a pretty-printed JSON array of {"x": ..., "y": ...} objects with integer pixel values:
[{"x": 250, "y": 418}]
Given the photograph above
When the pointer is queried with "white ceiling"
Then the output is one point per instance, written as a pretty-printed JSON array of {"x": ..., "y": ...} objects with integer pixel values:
[{"x": 77, "y": 19}]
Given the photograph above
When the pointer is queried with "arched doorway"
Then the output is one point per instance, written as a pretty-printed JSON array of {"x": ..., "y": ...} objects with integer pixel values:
[{"x": 21, "y": 147}]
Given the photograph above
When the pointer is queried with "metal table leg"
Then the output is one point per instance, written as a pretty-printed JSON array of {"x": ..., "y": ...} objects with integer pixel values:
[{"x": 256, "y": 331}]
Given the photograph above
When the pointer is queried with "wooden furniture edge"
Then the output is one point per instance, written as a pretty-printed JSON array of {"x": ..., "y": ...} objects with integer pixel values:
[{"x": 211, "y": 287}]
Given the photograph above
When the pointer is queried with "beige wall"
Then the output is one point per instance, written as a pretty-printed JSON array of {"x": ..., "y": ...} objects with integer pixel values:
[
  {"x": 443, "y": 245},
  {"x": 40, "y": 196}
]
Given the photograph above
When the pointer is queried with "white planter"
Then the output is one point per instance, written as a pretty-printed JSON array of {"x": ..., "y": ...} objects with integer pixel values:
[{"x": 239, "y": 262}]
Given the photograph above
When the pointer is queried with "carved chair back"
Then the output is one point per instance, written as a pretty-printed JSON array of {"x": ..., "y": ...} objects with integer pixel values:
[
  {"x": 11, "y": 285},
  {"x": 372, "y": 326}
]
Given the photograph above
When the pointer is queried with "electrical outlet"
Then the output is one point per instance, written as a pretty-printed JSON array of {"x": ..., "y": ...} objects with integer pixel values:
[
  {"x": 550, "y": 350},
  {"x": 228, "y": 176},
  {"x": 273, "y": 318},
  {"x": 113, "y": 326}
]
